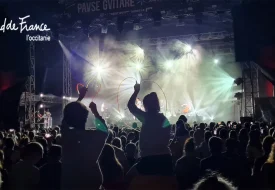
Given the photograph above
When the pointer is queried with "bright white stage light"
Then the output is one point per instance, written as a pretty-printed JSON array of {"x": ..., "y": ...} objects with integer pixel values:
[
  {"x": 188, "y": 48},
  {"x": 121, "y": 116},
  {"x": 139, "y": 52},
  {"x": 70, "y": 98},
  {"x": 139, "y": 66},
  {"x": 41, "y": 95},
  {"x": 64, "y": 97},
  {"x": 216, "y": 61},
  {"x": 98, "y": 70},
  {"x": 102, "y": 107},
  {"x": 41, "y": 106},
  {"x": 168, "y": 64},
  {"x": 212, "y": 118}
]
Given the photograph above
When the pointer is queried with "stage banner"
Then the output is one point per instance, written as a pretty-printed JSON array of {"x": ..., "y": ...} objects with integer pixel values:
[{"x": 119, "y": 7}]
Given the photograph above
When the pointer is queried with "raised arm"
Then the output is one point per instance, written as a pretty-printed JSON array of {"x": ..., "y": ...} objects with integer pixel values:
[
  {"x": 99, "y": 121},
  {"x": 82, "y": 93},
  {"x": 132, "y": 104}
]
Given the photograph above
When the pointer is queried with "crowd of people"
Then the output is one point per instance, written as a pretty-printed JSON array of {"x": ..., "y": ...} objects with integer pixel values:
[{"x": 159, "y": 155}]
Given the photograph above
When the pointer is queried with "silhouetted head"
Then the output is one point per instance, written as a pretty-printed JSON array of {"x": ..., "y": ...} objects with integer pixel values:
[
  {"x": 254, "y": 139},
  {"x": 207, "y": 136},
  {"x": 183, "y": 118},
  {"x": 9, "y": 143},
  {"x": 189, "y": 146},
  {"x": 214, "y": 182},
  {"x": 243, "y": 135},
  {"x": 23, "y": 142},
  {"x": 110, "y": 166},
  {"x": 223, "y": 134},
  {"x": 131, "y": 136},
  {"x": 55, "y": 152},
  {"x": 212, "y": 125},
  {"x": 116, "y": 130},
  {"x": 75, "y": 115},
  {"x": 33, "y": 152},
  {"x": 215, "y": 145},
  {"x": 231, "y": 145},
  {"x": 117, "y": 142},
  {"x": 44, "y": 143},
  {"x": 31, "y": 135},
  {"x": 151, "y": 103},
  {"x": 191, "y": 133},
  {"x": 57, "y": 129},
  {"x": 233, "y": 135},
  {"x": 110, "y": 136},
  {"x": 130, "y": 150},
  {"x": 181, "y": 130},
  {"x": 108, "y": 153},
  {"x": 202, "y": 126},
  {"x": 253, "y": 127},
  {"x": 123, "y": 141}
]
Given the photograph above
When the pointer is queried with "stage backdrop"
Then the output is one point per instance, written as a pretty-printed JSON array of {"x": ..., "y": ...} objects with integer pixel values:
[{"x": 118, "y": 7}]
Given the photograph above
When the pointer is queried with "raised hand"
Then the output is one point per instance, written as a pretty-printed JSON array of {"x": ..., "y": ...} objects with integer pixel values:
[
  {"x": 137, "y": 87},
  {"x": 93, "y": 108},
  {"x": 82, "y": 93}
]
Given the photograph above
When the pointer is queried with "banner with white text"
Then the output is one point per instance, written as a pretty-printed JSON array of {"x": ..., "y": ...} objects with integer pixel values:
[{"x": 118, "y": 7}]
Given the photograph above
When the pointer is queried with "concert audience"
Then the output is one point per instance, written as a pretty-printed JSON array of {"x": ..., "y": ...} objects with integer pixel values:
[
  {"x": 24, "y": 174},
  {"x": 214, "y": 182},
  {"x": 112, "y": 170},
  {"x": 217, "y": 156},
  {"x": 130, "y": 152},
  {"x": 216, "y": 162},
  {"x": 50, "y": 172},
  {"x": 268, "y": 170},
  {"x": 188, "y": 167},
  {"x": 203, "y": 149}
]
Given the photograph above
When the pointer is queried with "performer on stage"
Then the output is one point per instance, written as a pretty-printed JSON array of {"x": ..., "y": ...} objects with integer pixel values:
[{"x": 47, "y": 119}]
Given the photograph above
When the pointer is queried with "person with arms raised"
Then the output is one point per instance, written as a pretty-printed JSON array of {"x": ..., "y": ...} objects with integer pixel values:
[
  {"x": 81, "y": 148},
  {"x": 156, "y": 159}
]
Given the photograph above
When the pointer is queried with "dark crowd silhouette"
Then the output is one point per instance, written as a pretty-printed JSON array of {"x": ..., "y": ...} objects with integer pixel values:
[{"x": 156, "y": 156}]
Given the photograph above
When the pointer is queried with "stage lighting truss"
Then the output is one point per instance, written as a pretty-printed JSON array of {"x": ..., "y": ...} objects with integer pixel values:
[
  {"x": 28, "y": 97},
  {"x": 202, "y": 38}
]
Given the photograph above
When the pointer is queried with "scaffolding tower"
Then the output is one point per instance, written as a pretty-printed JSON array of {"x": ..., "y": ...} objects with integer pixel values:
[
  {"x": 30, "y": 89},
  {"x": 250, "y": 72},
  {"x": 67, "y": 80}
]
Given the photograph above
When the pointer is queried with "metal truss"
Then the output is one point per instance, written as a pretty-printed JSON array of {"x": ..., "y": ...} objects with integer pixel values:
[
  {"x": 29, "y": 95},
  {"x": 202, "y": 38},
  {"x": 51, "y": 100},
  {"x": 191, "y": 38},
  {"x": 250, "y": 74},
  {"x": 67, "y": 80}
]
